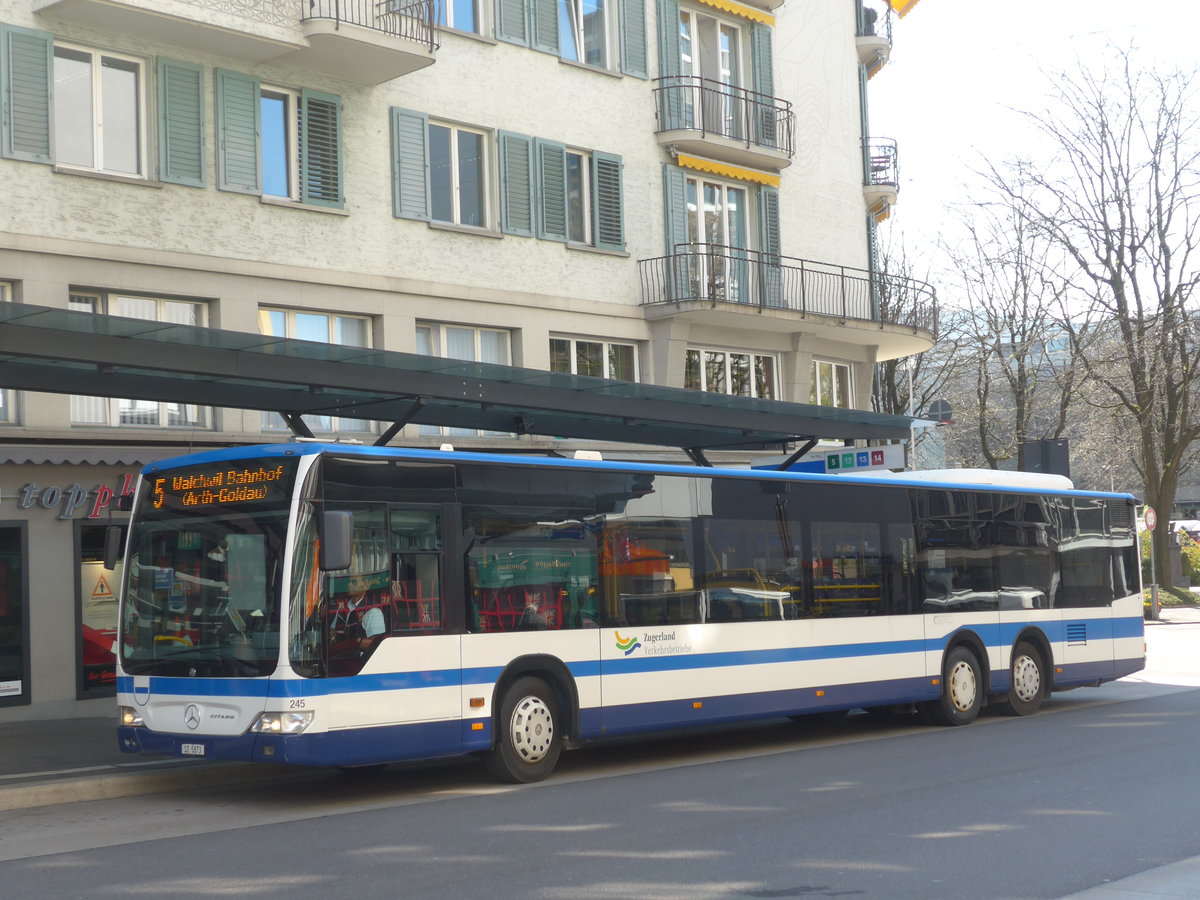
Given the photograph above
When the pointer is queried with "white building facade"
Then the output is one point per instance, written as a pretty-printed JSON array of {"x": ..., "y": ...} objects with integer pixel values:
[{"x": 683, "y": 193}]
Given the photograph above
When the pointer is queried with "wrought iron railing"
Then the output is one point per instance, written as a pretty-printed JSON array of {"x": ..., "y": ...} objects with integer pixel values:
[
  {"x": 882, "y": 162},
  {"x": 729, "y": 275},
  {"x": 412, "y": 21},
  {"x": 691, "y": 103}
]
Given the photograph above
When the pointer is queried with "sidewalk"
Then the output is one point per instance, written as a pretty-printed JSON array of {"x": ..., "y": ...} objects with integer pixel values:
[{"x": 75, "y": 760}]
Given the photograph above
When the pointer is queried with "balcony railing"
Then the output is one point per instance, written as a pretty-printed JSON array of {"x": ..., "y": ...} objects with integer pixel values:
[
  {"x": 412, "y": 21},
  {"x": 692, "y": 103},
  {"x": 729, "y": 275},
  {"x": 882, "y": 162}
]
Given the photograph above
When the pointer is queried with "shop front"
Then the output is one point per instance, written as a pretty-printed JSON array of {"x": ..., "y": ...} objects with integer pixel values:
[{"x": 58, "y": 604}]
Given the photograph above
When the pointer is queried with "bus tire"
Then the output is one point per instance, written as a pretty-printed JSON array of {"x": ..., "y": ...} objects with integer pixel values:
[
  {"x": 528, "y": 733},
  {"x": 962, "y": 690},
  {"x": 1027, "y": 685}
]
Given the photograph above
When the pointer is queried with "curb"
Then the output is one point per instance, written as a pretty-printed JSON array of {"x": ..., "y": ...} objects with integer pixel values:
[{"x": 134, "y": 784}]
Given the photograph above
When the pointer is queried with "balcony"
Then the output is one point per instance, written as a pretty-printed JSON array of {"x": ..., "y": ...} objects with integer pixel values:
[
  {"x": 366, "y": 41},
  {"x": 718, "y": 285},
  {"x": 881, "y": 176},
  {"x": 709, "y": 118},
  {"x": 874, "y": 37}
]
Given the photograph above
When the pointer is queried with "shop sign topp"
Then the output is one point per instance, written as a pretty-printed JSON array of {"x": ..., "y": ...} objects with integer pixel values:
[{"x": 72, "y": 501}]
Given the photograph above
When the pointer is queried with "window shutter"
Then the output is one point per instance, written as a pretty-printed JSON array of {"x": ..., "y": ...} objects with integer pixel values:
[
  {"x": 673, "y": 90},
  {"x": 512, "y": 22},
  {"x": 545, "y": 25},
  {"x": 516, "y": 184},
  {"x": 669, "y": 61},
  {"x": 633, "y": 38},
  {"x": 769, "y": 245},
  {"x": 26, "y": 73},
  {"x": 410, "y": 164},
  {"x": 763, "y": 66},
  {"x": 551, "y": 161},
  {"x": 321, "y": 149},
  {"x": 676, "y": 280},
  {"x": 181, "y": 123},
  {"x": 239, "y": 132},
  {"x": 609, "y": 222}
]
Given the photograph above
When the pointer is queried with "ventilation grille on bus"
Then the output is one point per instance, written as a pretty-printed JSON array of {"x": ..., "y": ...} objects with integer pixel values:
[
  {"x": 1120, "y": 514},
  {"x": 1077, "y": 633}
]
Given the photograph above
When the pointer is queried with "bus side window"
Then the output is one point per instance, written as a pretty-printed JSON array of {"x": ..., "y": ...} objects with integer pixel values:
[{"x": 415, "y": 595}]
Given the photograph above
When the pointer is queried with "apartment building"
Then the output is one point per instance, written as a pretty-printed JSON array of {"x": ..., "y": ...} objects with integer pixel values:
[{"x": 683, "y": 193}]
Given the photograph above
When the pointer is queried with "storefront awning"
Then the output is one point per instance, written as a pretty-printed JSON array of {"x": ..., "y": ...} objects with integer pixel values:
[{"x": 67, "y": 352}]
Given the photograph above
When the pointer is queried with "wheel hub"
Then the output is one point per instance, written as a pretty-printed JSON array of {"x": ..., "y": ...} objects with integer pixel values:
[
  {"x": 1027, "y": 682},
  {"x": 962, "y": 687},
  {"x": 532, "y": 729}
]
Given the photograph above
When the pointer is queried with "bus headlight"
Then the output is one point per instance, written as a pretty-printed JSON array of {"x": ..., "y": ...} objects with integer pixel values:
[
  {"x": 281, "y": 722},
  {"x": 127, "y": 715}
]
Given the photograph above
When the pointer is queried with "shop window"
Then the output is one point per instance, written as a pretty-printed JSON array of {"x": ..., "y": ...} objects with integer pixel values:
[
  {"x": 14, "y": 621},
  {"x": 98, "y": 613}
]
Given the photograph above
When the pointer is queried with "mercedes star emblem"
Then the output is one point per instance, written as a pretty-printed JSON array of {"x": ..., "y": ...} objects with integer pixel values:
[{"x": 191, "y": 717}]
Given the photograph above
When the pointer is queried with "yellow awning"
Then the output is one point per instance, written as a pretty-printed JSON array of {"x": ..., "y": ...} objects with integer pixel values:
[
  {"x": 901, "y": 7},
  {"x": 715, "y": 168},
  {"x": 746, "y": 12}
]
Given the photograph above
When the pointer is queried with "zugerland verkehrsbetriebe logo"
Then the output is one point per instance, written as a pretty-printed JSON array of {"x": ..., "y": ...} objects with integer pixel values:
[{"x": 652, "y": 643}]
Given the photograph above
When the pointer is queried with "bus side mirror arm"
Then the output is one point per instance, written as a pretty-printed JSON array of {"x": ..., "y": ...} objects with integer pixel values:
[
  {"x": 336, "y": 533},
  {"x": 112, "y": 546}
]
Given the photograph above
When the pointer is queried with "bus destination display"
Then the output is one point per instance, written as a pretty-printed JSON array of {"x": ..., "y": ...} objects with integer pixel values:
[{"x": 221, "y": 485}]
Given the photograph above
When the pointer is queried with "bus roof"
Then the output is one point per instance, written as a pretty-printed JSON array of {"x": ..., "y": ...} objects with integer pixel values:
[{"x": 946, "y": 479}]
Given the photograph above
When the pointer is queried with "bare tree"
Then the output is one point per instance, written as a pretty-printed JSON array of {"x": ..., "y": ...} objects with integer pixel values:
[{"x": 1120, "y": 198}]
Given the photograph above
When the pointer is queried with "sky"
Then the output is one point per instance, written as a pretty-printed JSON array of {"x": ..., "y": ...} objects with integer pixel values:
[{"x": 959, "y": 68}]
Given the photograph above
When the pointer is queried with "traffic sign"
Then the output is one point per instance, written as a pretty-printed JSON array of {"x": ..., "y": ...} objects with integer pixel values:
[{"x": 1151, "y": 518}]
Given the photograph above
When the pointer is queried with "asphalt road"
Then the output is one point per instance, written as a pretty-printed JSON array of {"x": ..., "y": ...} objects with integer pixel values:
[{"x": 1100, "y": 785}]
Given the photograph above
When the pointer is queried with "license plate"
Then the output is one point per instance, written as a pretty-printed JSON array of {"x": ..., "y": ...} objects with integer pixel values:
[{"x": 191, "y": 749}]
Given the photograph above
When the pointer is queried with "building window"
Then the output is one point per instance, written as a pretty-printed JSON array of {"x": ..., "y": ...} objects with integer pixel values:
[
  {"x": 97, "y": 612},
  {"x": 278, "y": 142},
  {"x": 830, "y": 384},
  {"x": 7, "y": 398},
  {"x": 717, "y": 231},
  {"x": 304, "y": 325},
  {"x": 99, "y": 111},
  {"x": 457, "y": 179},
  {"x": 583, "y": 31},
  {"x": 461, "y": 15},
  {"x": 139, "y": 413},
  {"x": 486, "y": 345},
  {"x": 730, "y": 372},
  {"x": 601, "y": 359}
]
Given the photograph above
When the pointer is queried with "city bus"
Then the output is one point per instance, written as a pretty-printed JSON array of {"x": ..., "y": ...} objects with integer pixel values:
[{"x": 330, "y": 604}]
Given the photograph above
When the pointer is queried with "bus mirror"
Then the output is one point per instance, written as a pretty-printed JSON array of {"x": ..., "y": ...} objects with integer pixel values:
[
  {"x": 337, "y": 532},
  {"x": 112, "y": 546}
]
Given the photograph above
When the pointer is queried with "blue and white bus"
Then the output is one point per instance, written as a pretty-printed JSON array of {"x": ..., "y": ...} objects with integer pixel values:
[{"x": 328, "y": 604}]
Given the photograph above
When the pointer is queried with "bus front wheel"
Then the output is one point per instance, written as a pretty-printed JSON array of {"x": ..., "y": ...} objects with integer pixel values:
[
  {"x": 528, "y": 736},
  {"x": 962, "y": 690},
  {"x": 1028, "y": 684}
]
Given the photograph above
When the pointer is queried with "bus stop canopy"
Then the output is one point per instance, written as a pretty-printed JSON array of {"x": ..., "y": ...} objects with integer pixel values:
[{"x": 68, "y": 352}]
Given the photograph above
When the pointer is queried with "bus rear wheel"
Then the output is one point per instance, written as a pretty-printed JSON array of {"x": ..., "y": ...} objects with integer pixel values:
[
  {"x": 1027, "y": 685},
  {"x": 528, "y": 736},
  {"x": 962, "y": 691}
]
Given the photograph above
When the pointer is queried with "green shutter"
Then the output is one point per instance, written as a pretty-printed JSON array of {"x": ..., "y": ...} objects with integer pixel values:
[
  {"x": 181, "y": 123},
  {"x": 239, "y": 132},
  {"x": 544, "y": 15},
  {"x": 410, "y": 164},
  {"x": 763, "y": 69},
  {"x": 26, "y": 75},
  {"x": 633, "y": 38},
  {"x": 551, "y": 165},
  {"x": 769, "y": 245},
  {"x": 669, "y": 60},
  {"x": 516, "y": 184},
  {"x": 609, "y": 202},
  {"x": 321, "y": 149},
  {"x": 512, "y": 22},
  {"x": 673, "y": 90},
  {"x": 676, "y": 271}
]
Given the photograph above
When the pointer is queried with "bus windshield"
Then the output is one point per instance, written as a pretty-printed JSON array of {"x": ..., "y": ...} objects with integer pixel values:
[{"x": 205, "y": 570}]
